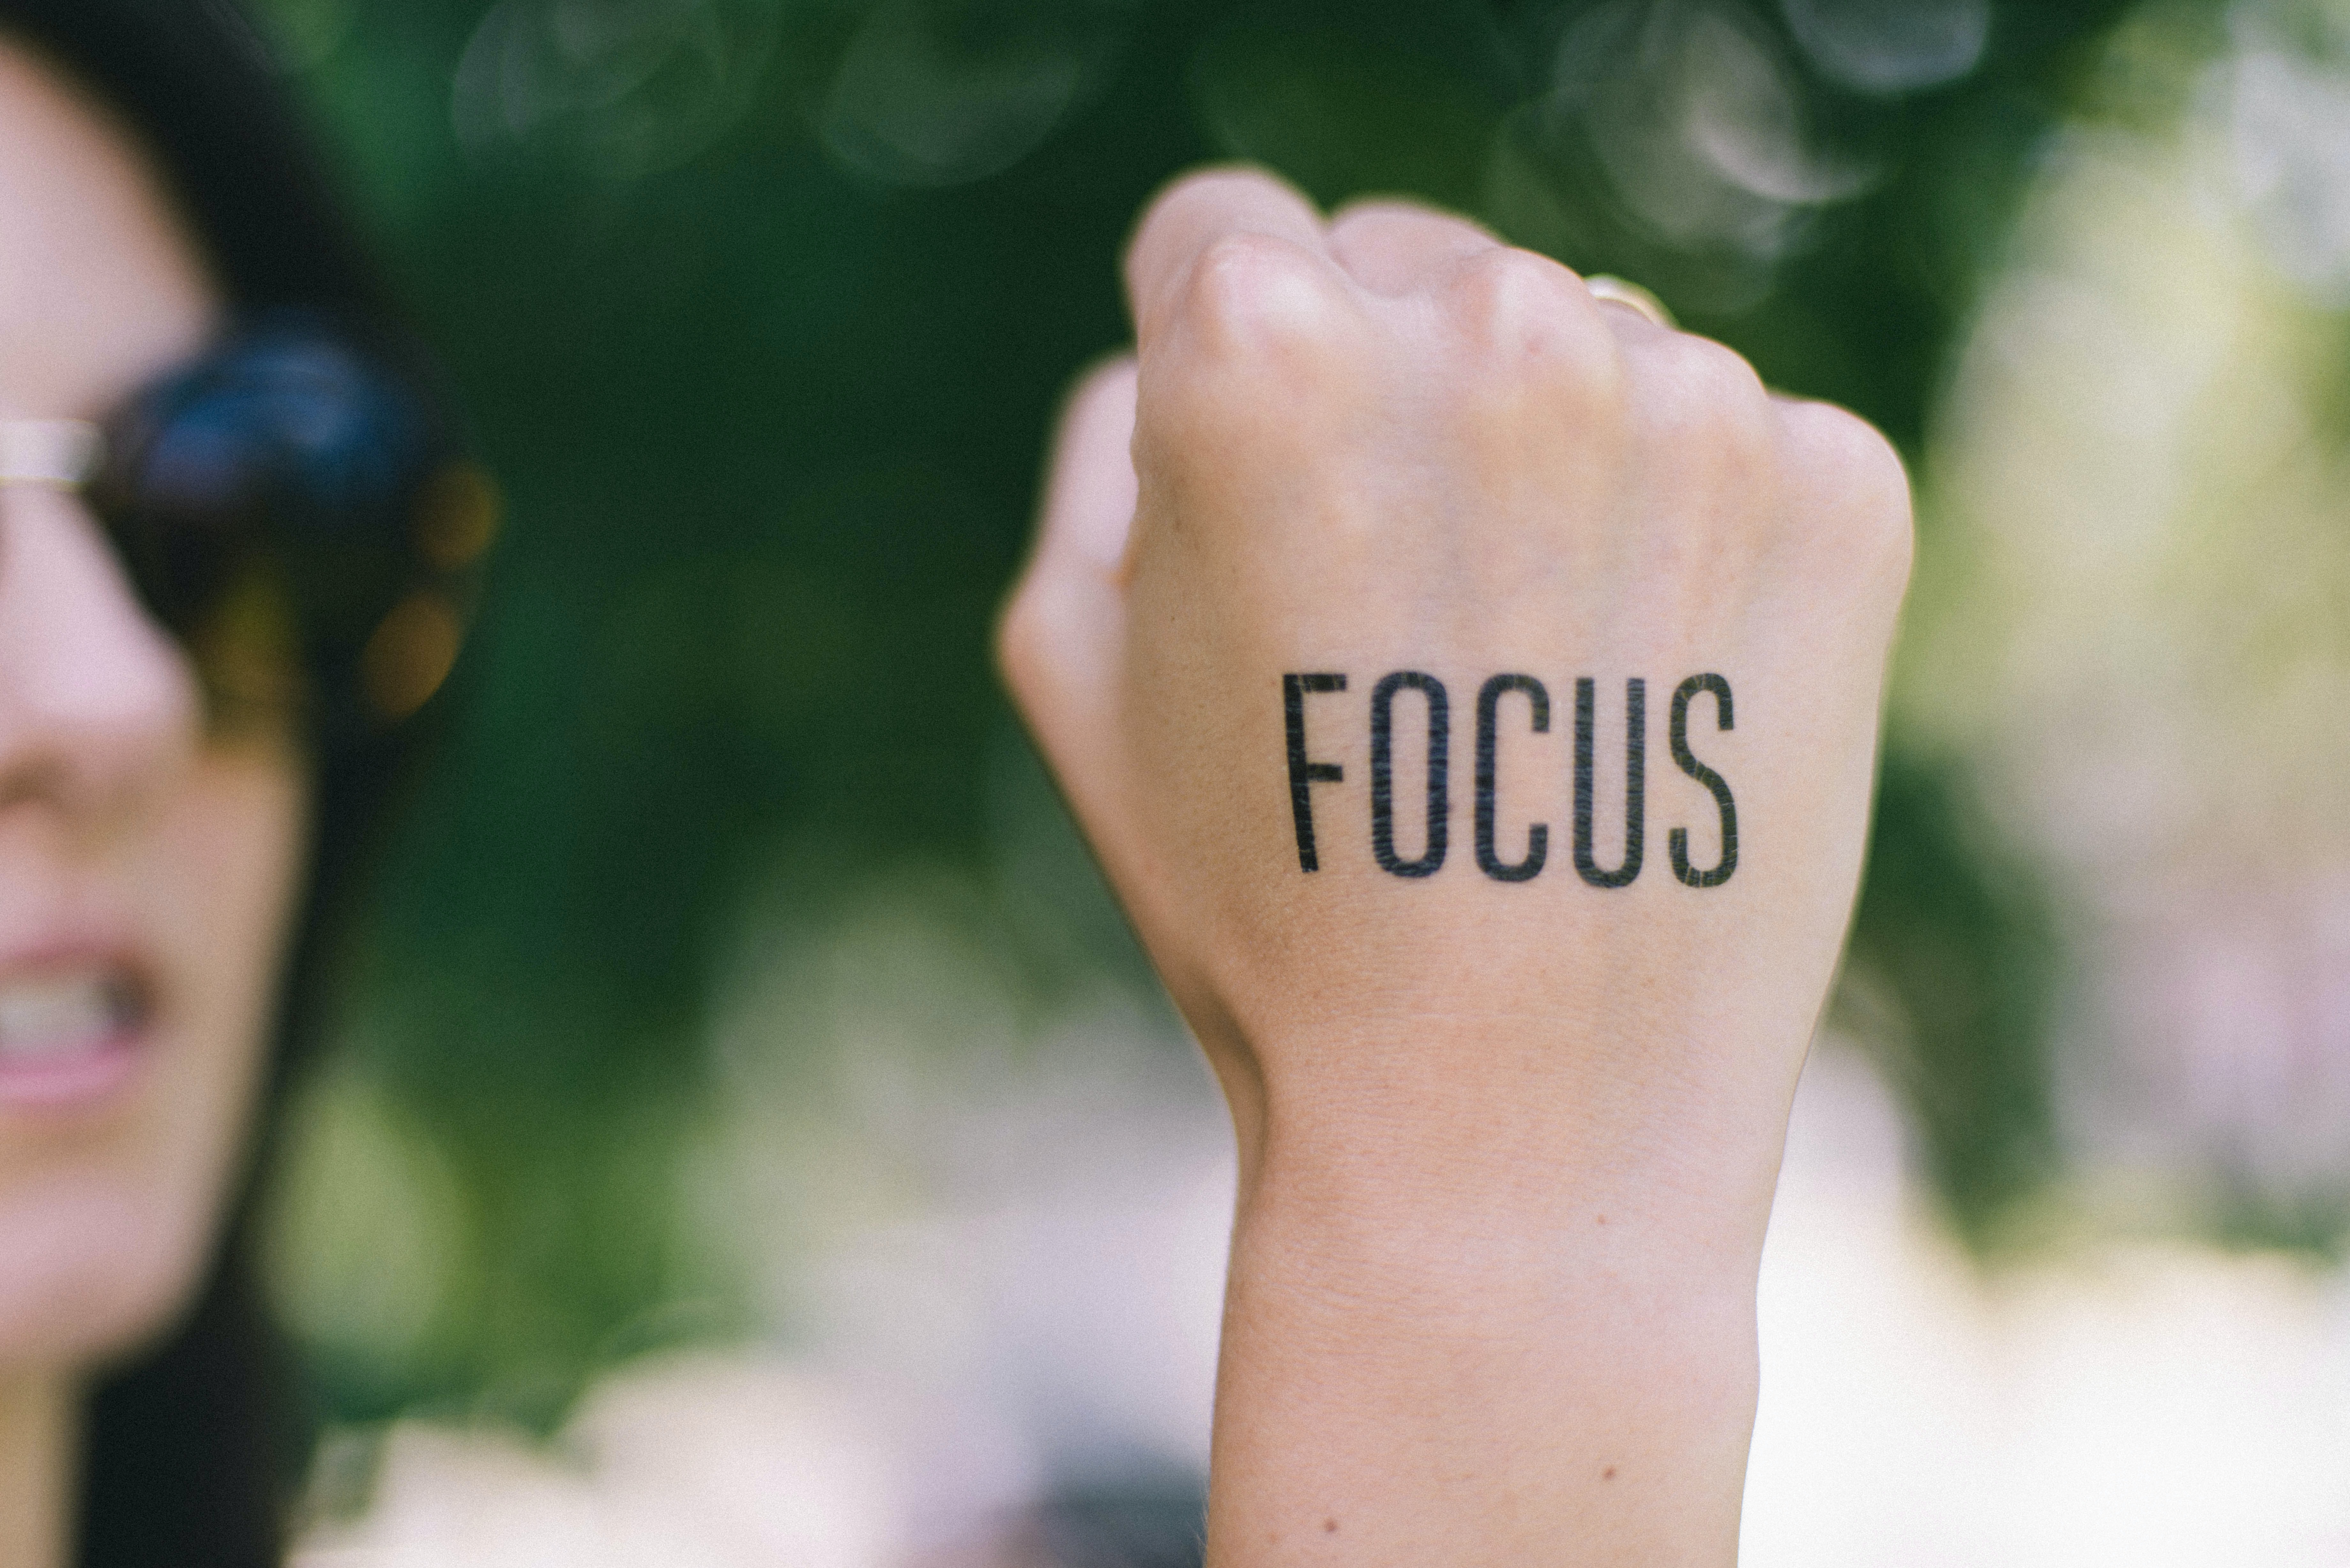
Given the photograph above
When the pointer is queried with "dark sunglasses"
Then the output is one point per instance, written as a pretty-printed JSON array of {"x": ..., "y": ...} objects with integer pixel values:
[{"x": 292, "y": 509}]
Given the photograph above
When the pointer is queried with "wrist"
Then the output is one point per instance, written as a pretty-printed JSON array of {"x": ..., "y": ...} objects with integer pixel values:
[
  {"x": 1394, "y": 1362},
  {"x": 1520, "y": 1145},
  {"x": 1399, "y": 1236}
]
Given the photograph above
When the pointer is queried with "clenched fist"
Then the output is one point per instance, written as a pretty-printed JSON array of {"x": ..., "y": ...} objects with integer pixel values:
[{"x": 1471, "y": 687}]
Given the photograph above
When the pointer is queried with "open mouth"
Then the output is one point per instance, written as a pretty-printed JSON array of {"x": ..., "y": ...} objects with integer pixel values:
[{"x": 67, "y": 1034}]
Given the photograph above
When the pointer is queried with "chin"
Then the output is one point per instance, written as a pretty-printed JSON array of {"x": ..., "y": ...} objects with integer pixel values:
[{"x": 94, "y": 1269}]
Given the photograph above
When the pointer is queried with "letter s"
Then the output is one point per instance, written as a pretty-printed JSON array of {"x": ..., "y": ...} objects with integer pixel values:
[{"x": 1676, "y": 842}]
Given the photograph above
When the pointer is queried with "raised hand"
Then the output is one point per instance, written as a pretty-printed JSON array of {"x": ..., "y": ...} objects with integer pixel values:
[{"x": 1471, "y": 687}]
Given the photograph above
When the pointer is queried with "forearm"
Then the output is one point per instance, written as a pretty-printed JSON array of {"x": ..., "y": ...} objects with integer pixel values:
[
  {"x": 1418, "y": 538},
  {"x": 1434, "y": 1366},
  {"x": 1491, "y": 1302}
]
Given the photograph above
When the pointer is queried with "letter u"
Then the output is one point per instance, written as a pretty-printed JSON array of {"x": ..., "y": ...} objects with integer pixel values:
[{"x": 1636, "y": 727}]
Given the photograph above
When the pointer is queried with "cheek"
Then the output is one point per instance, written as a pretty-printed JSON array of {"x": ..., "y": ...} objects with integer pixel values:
[{"x": 108, "y": 1226}]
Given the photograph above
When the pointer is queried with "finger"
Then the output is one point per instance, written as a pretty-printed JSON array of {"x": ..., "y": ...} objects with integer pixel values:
[
  {"x": 1089, "y": 491},
  {"x": 1855, "y": 487},
  {"x": 1195, "y": 212},
  {"x": 1534, "y": 314},
  {"x": 1394, "y": 247},
  {"x": 1061, "y": 632}
]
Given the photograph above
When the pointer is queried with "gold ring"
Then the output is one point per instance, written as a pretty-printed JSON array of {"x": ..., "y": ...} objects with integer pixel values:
[{"x": 1617, "y": 291}]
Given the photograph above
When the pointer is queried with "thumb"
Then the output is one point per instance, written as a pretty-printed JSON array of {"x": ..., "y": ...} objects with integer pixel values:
[
  {"x": 1089, "y": 495},
  {"x": 1060, "y": 639}
]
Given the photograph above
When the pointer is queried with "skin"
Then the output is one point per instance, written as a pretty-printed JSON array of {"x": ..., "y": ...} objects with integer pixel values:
[
  {"x": 124, "y": 825},
  {"x": 1507, "y": 1150}
]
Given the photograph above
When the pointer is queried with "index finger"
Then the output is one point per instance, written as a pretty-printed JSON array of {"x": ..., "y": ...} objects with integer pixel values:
[{"x": 1191, "y": 215}]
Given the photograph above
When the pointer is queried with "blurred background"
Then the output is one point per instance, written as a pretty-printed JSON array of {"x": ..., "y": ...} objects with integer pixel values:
[{"x": 755, "y": 1137}]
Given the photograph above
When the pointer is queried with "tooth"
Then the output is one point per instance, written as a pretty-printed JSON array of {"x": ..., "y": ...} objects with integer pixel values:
[{"x": 56, "y": 1017}]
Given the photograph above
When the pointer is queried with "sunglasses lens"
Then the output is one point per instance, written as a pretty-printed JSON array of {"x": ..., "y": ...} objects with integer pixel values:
[{"x": 278, "y": 505}]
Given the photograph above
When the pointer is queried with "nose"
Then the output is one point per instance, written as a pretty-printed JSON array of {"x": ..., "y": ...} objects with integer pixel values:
[{"x": 98, "y": 706}]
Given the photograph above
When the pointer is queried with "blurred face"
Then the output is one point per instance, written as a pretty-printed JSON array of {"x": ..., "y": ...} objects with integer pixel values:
[{"x": 145, "y": 866}]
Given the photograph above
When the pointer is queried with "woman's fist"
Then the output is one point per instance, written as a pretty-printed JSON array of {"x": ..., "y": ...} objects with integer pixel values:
[
  {"x": 1460, "y": 647},
  {"x": 1471, "y": 687}
]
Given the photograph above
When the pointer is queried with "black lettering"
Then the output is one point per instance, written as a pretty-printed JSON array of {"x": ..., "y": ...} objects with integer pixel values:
[
  {"x": 1489, "y": 699},
  {"x": 1677, "y": 841},
  {"x": 1635, "y": 726},
  {"x": 1440, "y": 728},
  {"x": 1302, "y": 773}
]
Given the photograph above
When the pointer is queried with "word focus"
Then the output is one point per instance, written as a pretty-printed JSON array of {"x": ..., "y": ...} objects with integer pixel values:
[{"x": 1305, "y": 773}]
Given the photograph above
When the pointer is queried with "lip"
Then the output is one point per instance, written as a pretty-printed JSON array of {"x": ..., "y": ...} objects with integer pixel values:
[
  {"x": 82, "y": 1081},
  {"x": 89, "y": 1079}
]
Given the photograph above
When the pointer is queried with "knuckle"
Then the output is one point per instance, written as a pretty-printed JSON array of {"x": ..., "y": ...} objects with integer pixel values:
[
  {"x": 1247, "y": 289},
  {"x": 1711, "y": 380},
  {"x": 1266, "y": 344},
  {"x": 1532, "y": 326},
  {"x": 1856, "y": 483},
  {"x": 1698, "y": 390},
  {"x": 1861, "y": 456},
  {"x": 1517, "y": 302}
]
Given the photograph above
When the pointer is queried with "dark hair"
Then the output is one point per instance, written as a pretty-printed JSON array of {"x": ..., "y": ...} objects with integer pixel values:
[{"x": 192, "y": 1448}]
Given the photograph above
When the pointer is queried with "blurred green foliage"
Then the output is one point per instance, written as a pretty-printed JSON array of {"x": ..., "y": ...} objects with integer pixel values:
[
  {"x": 1957, "y": 933},
  {"x": 761, "y": 309}
]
